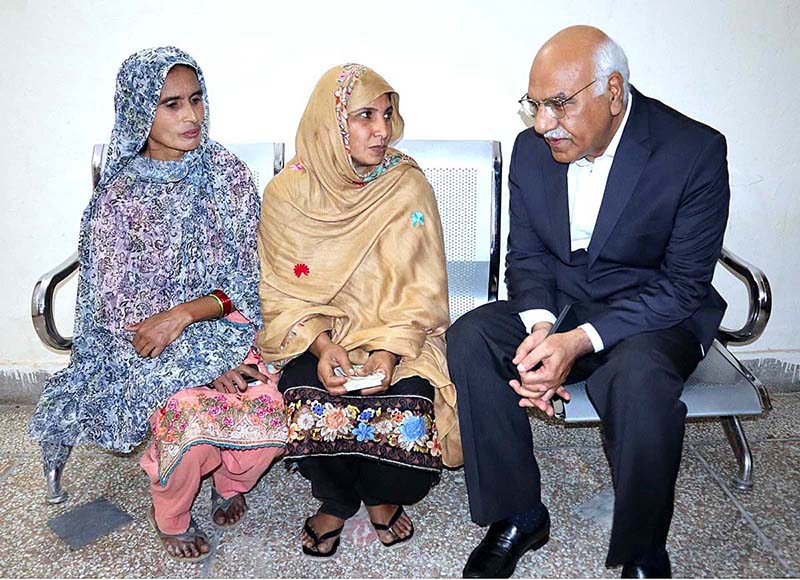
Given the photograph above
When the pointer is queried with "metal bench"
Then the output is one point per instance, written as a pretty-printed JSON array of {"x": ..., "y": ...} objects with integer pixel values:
[{"x": 465, "y": 176}]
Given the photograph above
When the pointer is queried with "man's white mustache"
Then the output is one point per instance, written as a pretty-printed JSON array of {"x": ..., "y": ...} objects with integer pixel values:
[{"x": 557, "y": 133}]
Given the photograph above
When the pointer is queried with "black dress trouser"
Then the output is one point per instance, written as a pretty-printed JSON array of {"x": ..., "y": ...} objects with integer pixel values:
[
  {"x": 342, "y": 482},
  {"x": 634, "y": 386}
]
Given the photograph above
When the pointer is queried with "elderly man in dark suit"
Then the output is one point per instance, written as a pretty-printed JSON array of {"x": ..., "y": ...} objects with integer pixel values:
[{"x": 618, "y": 207}]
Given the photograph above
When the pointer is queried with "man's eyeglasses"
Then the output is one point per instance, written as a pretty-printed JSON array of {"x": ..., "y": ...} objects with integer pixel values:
[{"x": 554, "y": 106}]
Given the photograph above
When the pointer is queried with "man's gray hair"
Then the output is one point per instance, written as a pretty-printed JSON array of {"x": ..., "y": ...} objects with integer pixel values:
[{"x": 608, "y": 59}]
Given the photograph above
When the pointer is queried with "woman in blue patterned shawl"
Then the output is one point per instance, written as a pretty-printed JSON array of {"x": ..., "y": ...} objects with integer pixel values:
[{"x": 168, "y": 300}]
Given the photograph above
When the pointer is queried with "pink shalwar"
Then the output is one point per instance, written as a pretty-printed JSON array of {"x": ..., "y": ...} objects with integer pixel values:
[{"x": 200, "y": 431}]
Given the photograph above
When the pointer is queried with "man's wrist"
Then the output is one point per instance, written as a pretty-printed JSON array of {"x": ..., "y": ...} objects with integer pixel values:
[
  {"x": 594, "y": 336},
  {"x": 530, "y": 318},
  {"x": 544, "y": 325},
  {"x": 583, "y": 344}
]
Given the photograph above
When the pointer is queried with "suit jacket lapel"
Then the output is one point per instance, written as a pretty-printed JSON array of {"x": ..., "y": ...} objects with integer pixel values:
[
  {"x": 555, "y": 181},
  {"x": 629, "y": 162}
]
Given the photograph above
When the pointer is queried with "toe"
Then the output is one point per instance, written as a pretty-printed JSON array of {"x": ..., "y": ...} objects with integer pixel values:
[{"x": 403, "y": 526}]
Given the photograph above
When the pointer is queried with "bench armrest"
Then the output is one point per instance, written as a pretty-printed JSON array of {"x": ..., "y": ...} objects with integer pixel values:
[
  {"x": 42, "y": 304},
  {"x": 759, "y": 300}
]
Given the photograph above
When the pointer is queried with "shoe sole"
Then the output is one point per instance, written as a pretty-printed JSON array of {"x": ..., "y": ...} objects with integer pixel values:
[
  {"x": 152, "y": 519},
  {"x": 539, "y": 544},
  {"x": 398, "y": 544},
  {"x": 532, "y": 548},
  {"x": 312, "y": 555}
]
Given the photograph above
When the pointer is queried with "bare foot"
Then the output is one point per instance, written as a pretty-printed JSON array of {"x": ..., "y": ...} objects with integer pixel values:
[
  {"x": 234, "y": 512},
  {"x": 381, "y": 514},
  {"x": 184, "y": 549},
  {"x": 321, "y": 523}
]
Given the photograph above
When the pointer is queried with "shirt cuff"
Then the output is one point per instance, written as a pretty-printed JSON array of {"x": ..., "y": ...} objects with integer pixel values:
[
  {"x": 530, "y": 318},
  {"x": 594, "y": 336}
]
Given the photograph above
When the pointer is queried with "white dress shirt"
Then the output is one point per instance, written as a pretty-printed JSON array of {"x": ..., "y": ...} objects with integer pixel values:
[{"x": 586, "y": 183}]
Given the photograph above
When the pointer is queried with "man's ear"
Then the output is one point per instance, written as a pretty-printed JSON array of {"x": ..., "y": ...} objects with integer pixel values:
[{"x": 615, "y": 93}]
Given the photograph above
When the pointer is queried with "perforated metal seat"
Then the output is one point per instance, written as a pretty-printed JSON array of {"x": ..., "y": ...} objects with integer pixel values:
[
  {"x": 720, "y": 386},
  {"x": 465, "y": 176}
]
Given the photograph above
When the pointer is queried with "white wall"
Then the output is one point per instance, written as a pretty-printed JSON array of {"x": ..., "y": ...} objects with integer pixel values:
[{"x": 459, "y": 66}]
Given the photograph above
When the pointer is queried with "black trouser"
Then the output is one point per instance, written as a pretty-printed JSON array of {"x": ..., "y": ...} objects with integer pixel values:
[
  {"x": 635, "y": 387},
  {"x": 342, "y": 482}
]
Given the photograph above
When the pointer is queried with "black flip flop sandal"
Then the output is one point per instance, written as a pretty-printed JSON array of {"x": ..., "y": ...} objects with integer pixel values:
[
  {"x": 313, "y": 551},
  {"x": 388, "y": 528}
]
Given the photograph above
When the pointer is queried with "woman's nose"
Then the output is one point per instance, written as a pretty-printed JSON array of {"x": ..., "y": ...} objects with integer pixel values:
[
  {"x": 194, "y": 113},
  {"x": 382, "y": 128}
]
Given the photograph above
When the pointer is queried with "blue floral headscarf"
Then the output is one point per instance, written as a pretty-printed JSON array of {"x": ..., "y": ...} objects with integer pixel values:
[{"x": 154, "y": 235}]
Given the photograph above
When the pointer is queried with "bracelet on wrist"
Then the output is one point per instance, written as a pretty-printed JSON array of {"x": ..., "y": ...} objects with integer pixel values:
[
  {"x": 225, "y": 304},
  {"x": 219, "y": 303}
]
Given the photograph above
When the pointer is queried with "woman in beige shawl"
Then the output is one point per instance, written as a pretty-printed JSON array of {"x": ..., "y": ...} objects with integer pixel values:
[{"x": 353, "y": 284}]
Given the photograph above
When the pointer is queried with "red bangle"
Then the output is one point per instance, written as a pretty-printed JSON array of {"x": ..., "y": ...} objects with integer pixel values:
[{"x": 227, "y": 305}]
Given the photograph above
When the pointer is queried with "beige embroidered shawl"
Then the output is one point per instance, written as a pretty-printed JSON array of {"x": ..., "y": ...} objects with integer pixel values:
[{"x": 359, "y": 256}]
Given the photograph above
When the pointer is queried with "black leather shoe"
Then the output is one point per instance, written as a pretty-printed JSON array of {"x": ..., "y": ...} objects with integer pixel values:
[
  {"x": 500, "y": 550},
  {"x": 658, "y": 567}
]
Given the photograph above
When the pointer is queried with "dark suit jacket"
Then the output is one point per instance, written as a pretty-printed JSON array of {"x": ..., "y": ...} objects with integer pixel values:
[{"x": 657, "y": 238}]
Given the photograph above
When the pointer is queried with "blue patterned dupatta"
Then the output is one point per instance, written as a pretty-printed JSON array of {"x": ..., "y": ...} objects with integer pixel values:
[{"x": 155, "y": 234}]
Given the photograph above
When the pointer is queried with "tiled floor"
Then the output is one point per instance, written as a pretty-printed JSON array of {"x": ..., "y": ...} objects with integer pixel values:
[{"x": 716, "y": 532}]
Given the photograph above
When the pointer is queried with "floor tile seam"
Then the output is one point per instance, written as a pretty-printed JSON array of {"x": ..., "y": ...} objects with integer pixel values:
[
  {"x": 17, "y": 458},
  {"x": 750, "y": 440},
  {"x": 765, "y": 541},
  {"x": 549, "y": 448},
  {"x": 780, "y": 440}
]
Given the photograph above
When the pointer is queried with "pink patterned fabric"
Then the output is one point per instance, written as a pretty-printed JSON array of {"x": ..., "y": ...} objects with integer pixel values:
[{"x": 202, "y": 415}]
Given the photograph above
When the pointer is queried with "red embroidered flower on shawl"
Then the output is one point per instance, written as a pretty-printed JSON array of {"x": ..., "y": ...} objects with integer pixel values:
[{"x": 301, "y": 270}]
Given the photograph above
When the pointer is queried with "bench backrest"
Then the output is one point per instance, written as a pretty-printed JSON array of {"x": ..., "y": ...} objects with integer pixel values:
[
  {"x": 263, "y": 159},
  {"x": 465, "y": 176}
]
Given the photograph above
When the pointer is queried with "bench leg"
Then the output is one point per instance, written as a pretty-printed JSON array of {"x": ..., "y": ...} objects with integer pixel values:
[
  {"x": 743, "y": 479},
  {"x": 54, "y": 457}
]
